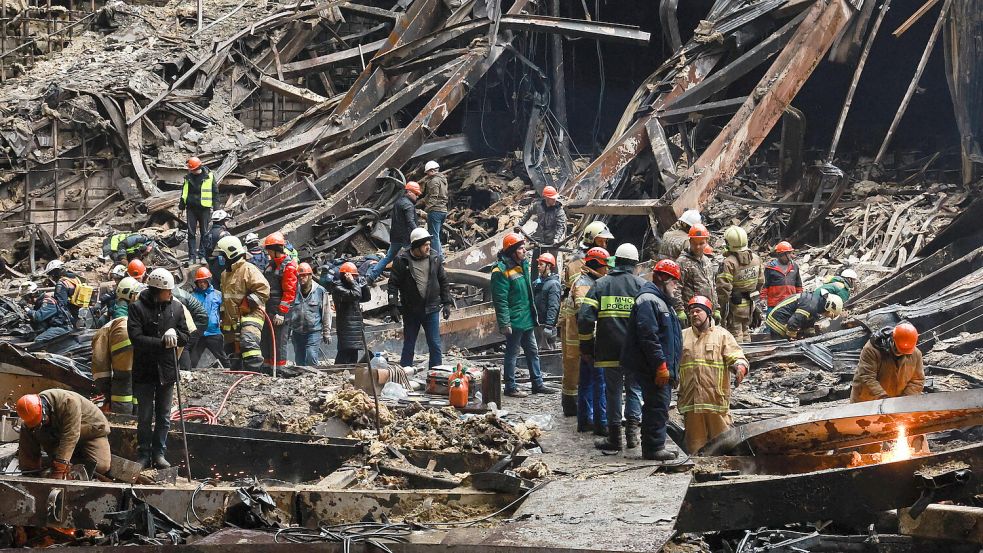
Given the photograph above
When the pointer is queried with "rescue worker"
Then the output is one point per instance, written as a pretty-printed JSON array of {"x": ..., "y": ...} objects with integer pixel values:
[
  {"x": 740, "y": 279},
  {"x": 547, "y": 290},
  {"x": 782, "y": 277},
  {"x": 257, "y": 256},
  {"x": 796, "y": 316},
  {"x": 211, "y": 332},
  {"x": 841, "y": 285},
  {"x": 218, "y": 231},
  {"x": 112, "y": 357},
  {"x": 652, "y": 350},
  {"x": 310, "y": 318},
  {"x": 70, "y": 291},
  {"x": 281, "y": 275},
  {"x": 515, "y": 312},
  {"x": 674, "y": 240},
  {"x": 127, "y": 246},
  {"x": 107, "y": 296},
  {"x": 136, "y": 269},
  {"x": 418, "y": 295},
  {"x": 157, "y": 326},
  {"x": 197, "y": 320},
  {"x": 890, "y": 365},
  {"x": 348, "y": 292},
  {"x": 551, "y": 224},
  {"x": 402, "y": 225},
  {"x": 244, "y": 294},
  {"x": 198, "y": 194},
  {"x": 607, "y": 307},
  {"x": 68, "y": 427},
  {"x": 435, "y": 202},
  {"x": 591, "y": 403},
  {"x": 47, "y": 318},
  {"x": 697, "y": 273},
  {"x": 709, "y": 352}
]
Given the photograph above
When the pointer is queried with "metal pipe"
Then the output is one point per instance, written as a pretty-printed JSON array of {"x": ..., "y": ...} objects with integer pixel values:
[{"x": 180, "y": 410}]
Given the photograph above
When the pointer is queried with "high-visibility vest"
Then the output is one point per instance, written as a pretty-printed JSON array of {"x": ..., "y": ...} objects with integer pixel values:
[{"x": 206, "y": 190}]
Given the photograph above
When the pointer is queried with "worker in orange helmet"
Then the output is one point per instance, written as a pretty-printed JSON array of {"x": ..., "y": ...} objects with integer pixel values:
[
  {"x": 402, "y": 224},
  {"x": 281, "y": 275},
  {"x": 211, "y": 337},
  {"x": 890, "y": 365},
  {"x": 198, "y": 194},
  {"x": 348, "y": 292},
  {"x": 551, "y": 224},
  {"x": 698, "y": 272},
  {"x": 782, "y": 277},
  {"x": 68, "y": 427},
  {"x": 310, "y": 318},
  {"x": 547, "y": 290}
]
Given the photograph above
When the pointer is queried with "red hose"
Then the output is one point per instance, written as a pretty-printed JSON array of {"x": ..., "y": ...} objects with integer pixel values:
[{"x": 204, "y": 414}]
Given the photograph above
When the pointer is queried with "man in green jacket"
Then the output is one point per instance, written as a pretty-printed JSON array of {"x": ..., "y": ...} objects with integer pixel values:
[{"x": 516, "y": 313}]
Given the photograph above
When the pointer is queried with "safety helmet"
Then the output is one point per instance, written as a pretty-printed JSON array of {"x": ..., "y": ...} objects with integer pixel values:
[
  {"x": 231, "y": 247},
  {"x": 691, "y": 217},
  {"x": 136, "y": 269},
  {"x": 597, "y": 229},
  {"x": 707, "y": 249},
  {"x": 128, "y": 289},
  {"x": 833, "y": 305},
  {"x": 597, "y": 254},
  {"x": 30, "y": 411},
  {"x": 194, "y": 163},
  {"x": 28, "y": 288},
  {"x": 511, "y": 241},
  {"x": 905, "y": 338},
  {"x": 220, "y": 215},
  {"x": 784, "y": 247},
  {"x": 626, "y": 252},
  {"x": 252, "y": 239},
  {"x": 413, "y": 186},
  {"x": 850, "y": 274},
  {"x": 699, "y": 231},
  {"x": 117, "y": 271},
  {"x": 547, "y": 258},
  {"x": 304, "y": 269},
  {"x": 668, "y": 267},
  {"x": 419, "y": 235},
  {"x": 550, "y": 192},
  {"x": 160, "y": 278},
  {"x": 348, "y": 267},
  {"x": 431, "y": 165},
  {"x": 53, "y": 265},
  {"x": 736, "y": 239},
  {"x": 202, "y": 274},
  {"x": 703, "y": 302},
  {"x": 274, "y": 239}
]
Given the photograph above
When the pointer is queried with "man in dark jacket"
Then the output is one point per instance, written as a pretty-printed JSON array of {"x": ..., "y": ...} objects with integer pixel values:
[
  {"x": 199, "y": 316},
  {"x": 418, "y": 293},
  {"x": 255, "y": 252},
  {"x": 198, "y": 195},
  {"x": 403, "y": 223},
  {"x": 127, "y": 246},
  {"x": 653, "y": 346},
  {"x": 797, "y": 316},
  {"x": 156, "y": 326},
  {"x": 218, "y": 231},
  {"x": 547, "y": 291},
  {"x": 551, "y": 223},
  {"x": 435, "y": 202},
  {"x": 348, "y": 292}
]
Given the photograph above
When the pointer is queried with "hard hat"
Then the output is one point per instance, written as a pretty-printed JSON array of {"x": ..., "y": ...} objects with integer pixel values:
[
  {"x": 53, "y": 264},
  {"x": 194, "y": 163},
  {"x": 220, "y": 215},
  {"x": 512, "y": 240},
  {"x": 833, "y": 305},
  {"x": 202, "y": 274},
  {"x": 29, "y": 410},
  {"x": 28, "y": 288},
  {"x": 304, "y": 269},
  {"x": 736, "y": 239},
  {"x": 597, "y": 229},
  {"x": 274, "y": 239},
  {"x": 431, "y": 165},
  {"x": 597, "y": 254},
  {"x": 136, "y": 269},
  {"x": 252, "y": 239},
  {"x": 699, "y": 231},
  {"x": 231, "y": 247},
  {"x": 547, "y": 258},
  {"x": 668, "y": 267},
  {"x": 849, "y": 273},
  {"x": 626, "y": 252},
  {"x": 413, "y": 186},
  {"x": 348, "y": 267},
  {"x": 419, "y": 235},
  {"x": 160, "y": 278},
  {"x": 550, "y": 192},
  {"x": 905, "y": 338},
  {"x": 707, "y": 250},
  {"x": 117, "y": 271},
  {"x": 128, "y": 289},
  {"x": 784, "y": 247},
  {"x": 691, "y": 217},
  {"x": 703, "y": 302}
]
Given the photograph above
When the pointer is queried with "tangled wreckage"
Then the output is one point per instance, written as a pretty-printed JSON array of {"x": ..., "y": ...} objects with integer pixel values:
[{"x": 314, "y": 113}]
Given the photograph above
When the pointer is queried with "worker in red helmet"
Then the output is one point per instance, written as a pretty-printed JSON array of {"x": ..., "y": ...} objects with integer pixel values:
[
  {"x": 583, "y": 383},
  {"x": 435, "y": 202},
  {"x": 652, "y": 349},
  {"x": 698, "y": 272},
  {"x": 547, "y": 290},
  {"x": 348, "y": 292},
  {"x": 782, "y": 277},
  {"x": 709, "y": 352},
  {"x": 890, "y": 365},
  {"x": 402, "y": 224},
  {"x": 68, "y": 427},
  {"x": 198, "y": 194},
  {"x": 551, "y": 224},
  {"x": 310, "y": 318},
  {"x": 281, "y": 275},
  {"x": 211, "y": 336}
]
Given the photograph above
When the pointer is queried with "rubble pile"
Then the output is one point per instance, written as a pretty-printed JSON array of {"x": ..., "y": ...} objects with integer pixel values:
[{"x": 445, "y": 430}]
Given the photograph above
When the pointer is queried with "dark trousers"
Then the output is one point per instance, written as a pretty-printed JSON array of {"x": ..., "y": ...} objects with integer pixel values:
[
  {"x": 655, "y": 412},
  {"x": 153, "y": 416},
  {"x": 214, "y": 344},
  {"x": 346, "y": 356},
  {"x": 411, "y": 330},
  {"x": 280, "y": 335},
  {"x": 198, "y": 220},
  {"x": 618, "y": 381}
]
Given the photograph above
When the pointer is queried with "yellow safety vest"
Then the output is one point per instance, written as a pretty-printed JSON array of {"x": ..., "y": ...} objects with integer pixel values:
[{"x": 206, "y": 190}]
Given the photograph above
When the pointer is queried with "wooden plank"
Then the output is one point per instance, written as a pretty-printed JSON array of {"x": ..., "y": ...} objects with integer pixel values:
[
  {"x": 320, "y": 63},
  {"x": 919, "y": 13},
  {"x": 291, "y": 91},
  {"x": 944, "y": 522},
  {"x": 615, "y": 207}
]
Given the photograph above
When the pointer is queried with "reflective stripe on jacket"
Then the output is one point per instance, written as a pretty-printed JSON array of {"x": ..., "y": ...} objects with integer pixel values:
[
  {"x": 704, "y": 375},
  {"x": 112, "y": 361},
  {"x": 795, "y": 314},
  {"x": 205, "y": 194},
  {"x": 240, "y": 280},
  {"x": 781, "y": 281},
  {"x": 512, "y": 295},
  {"x": 608, "y": 304}
]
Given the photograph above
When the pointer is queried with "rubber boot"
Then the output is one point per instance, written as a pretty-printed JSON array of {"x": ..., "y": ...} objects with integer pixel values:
[
  {"x": 160, "y": 462},
  {"x": 569, "y": 404},
  {"x": 144, "y": 460},
  {"x": 584, "y": 426},
  {"x": 659, "y": 455},
  {"x": 612, "y": 442},
  {"x": 633, "y": 434}
]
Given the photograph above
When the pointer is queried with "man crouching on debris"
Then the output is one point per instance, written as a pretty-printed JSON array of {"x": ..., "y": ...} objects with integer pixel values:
[
  {"x": 67, "y": 426},
  {"x": 796, "y": 316},
  {"x": 709, "y": 351},
  {"x": 244, "y": 295},
  {"x": 890, "y": 365},
  {"x": 157, "y": 327},
  {"x": 653, "y": 346}
]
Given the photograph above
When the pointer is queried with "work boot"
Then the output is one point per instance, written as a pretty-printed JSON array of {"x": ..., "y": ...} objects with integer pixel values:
[
  {"x": 612, "y": 442},
  {"x": 144, "y": 460},
  {"x": 600, "y": 429},
  {"x": 659, "y": 455},
  {"x": 160, "y": 462},
  {"x": 542, "y": 389},
  {"x": 516, "y": 393},
  {"x": 584, "y": 426},
  {"x": 569, "y": 404},
  {"x": 632, "y": 434}
]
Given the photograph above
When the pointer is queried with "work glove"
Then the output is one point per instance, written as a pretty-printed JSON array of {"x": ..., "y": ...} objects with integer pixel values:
[
  {"x": 506, "y": 330},
  {"x": 681, "y": 315},
  {"x": 181, "y": 206},
  {"x": 59, "y": 469},
  {"x": 395, "y": 314},
  {"x": 446, "y": 311},
  {"x": 662, "y": 375},
  {"x": 740, "y": 371},
  {"x": 736, "y": 297},
  {"x": 716, "y": 316},
  {"x": 278, "y": 320},
  {"x": 325, "y": 338},
  {"x": 169, "y": 339},
  {"x": 549, "y": 331}
]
